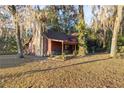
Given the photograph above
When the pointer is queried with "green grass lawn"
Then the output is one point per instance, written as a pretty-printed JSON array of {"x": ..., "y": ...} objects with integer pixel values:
[{"x": 91, "y": 71}]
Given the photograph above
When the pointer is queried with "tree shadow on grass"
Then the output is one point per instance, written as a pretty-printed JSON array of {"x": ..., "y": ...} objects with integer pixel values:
[
  {"x": 54, "y": 68},
  {"x": 66, "y": 66}
]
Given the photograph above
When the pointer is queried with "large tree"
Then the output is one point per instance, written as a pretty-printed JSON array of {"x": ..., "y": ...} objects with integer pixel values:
[
  {"x": 81, "y": 32},
  {"x": 117, "y": 25},
  {"x": 53, "y": 16},
  {"x": 40, "y": 20},
  {"x": 13, "y": 11},
  {"x": 67, "y": 18}
]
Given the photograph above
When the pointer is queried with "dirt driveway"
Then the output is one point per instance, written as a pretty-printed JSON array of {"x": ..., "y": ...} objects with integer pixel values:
[{"x": 13, "y": 60}]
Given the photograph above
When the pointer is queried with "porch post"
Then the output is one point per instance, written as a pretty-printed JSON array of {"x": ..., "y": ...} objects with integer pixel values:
[
  {"x": 49, "y": 47},
  {"x": 75, "y": 47},
  {"x": 62, "y": 47}
]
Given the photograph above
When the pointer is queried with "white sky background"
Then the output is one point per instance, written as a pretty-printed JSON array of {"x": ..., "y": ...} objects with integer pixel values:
[{"x": 62, "y": 2}]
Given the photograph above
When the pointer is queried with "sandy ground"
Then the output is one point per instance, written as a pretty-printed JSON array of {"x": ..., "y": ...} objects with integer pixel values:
[{"x": 91, "y": 71}]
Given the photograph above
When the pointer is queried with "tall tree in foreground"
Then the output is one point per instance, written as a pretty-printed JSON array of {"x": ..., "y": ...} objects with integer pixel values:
[
  {"x": 81, "y": 32},
  {"x": 40, "y": 20},
  {"x": 14, "y": 12},
  {"x": 116, "y": 30}
]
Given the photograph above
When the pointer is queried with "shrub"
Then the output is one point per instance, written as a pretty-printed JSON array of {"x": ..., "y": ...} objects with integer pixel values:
[
  {"x": 121, "y": 44},
  {"x": 75, "y": 53},
  {"x": 8, "y": 45},
  {"x": 63, "y": 56}
]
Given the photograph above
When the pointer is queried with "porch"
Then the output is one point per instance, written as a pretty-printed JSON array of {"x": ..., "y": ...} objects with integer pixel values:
[{"x": 59, "y": 47}]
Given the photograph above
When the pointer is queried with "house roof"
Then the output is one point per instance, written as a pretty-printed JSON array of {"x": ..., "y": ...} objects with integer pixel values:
[{"x": 55, "y": 35}]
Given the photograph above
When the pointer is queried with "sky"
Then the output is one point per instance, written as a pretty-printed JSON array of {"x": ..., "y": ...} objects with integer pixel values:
[{"x": 87, "y": 14}]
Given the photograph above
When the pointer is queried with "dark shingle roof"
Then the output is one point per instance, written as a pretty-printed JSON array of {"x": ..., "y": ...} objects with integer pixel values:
[{"x": 52, "y": 34}]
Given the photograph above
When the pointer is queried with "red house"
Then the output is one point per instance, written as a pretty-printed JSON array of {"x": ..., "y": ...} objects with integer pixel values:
[{"x": 59, "y": 42}]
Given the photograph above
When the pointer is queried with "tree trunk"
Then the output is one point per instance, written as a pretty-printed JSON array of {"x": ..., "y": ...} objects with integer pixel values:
[
  {"x": 81, "y": 11},
  {"x": 104, "y": 39},
  {"x": 116, "y": 30},
  {"x": 1, "y": 32},
  {"x": 38, "y": 39},
  {"x": 41, "y": 39},
  {"x": 81, "y": 38},
  {"x": 12, "y": 9},
  {"x": 18, "y": 39}
]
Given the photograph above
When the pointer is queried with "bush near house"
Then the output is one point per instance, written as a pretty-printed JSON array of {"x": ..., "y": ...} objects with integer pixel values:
[
  {"x": 8, "y": 45},
  {"x": 121, "y": 44}
]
